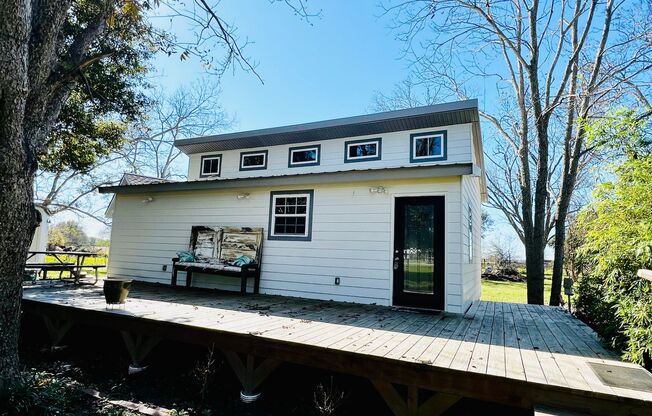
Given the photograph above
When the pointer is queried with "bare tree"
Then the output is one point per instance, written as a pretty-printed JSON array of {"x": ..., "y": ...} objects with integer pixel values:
[
  {"x": 43, "y": 59},
  {"x": 75, "y": 191},
  {"x": 189, "y": 111},
  {"x": 556, "y": 64},
  {"x": 502, "y": 250}
]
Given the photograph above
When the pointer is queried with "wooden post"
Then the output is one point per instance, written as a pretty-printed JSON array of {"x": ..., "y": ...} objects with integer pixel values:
[
  {"x": 411, "y": 405},
  {"x": 250, "y": 374},
  {"x": 57, "y": 329},
  {"x": 138, "y": 347}
]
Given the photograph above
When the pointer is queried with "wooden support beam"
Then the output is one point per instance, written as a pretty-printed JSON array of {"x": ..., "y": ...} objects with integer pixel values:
[
  {"x": 438, "y": 404},
  {"x": 138, "y": 347},
  {"x": 250, "y": 374},
  {"x": 57, "y": 328},
  {"x": 411, "y": 406}
]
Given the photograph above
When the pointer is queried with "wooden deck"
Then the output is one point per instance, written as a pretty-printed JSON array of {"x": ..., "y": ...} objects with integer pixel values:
[{"x": 520, "y": 355}]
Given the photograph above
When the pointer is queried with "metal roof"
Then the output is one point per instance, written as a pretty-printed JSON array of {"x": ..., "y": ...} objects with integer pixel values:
[
  {"x": 459, "y": 112},
  {"x": 135, "y": 179},
  {"x": 342, "y": 176}
]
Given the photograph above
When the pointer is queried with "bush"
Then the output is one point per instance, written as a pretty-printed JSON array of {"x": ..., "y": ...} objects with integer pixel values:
[
  {"x": 39, "y": 393},
  {"x": 617, "y": 242}
]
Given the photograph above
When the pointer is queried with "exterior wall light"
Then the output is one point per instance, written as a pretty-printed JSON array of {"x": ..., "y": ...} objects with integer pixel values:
[{"x": 244, "y": 195}]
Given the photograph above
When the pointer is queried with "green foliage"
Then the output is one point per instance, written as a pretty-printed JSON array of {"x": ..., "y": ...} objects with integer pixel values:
[
  {"x": 508, "y": 291},
  {"x": 39, "y": 393},
  {"x": 71, "y": 232},
  {"x": 93, "y": 120},
  {"x": 618, "y": 242},
  {"x": 622, "y": 130},
  {"x": 56, "y": 237}
]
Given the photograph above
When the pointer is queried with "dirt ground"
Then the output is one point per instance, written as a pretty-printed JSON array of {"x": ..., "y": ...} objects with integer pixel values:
[{"x": 97, "y": 359}]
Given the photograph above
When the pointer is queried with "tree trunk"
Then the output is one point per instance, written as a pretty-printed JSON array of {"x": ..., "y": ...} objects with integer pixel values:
[
  {"x": 558, "y": 265},
  {"x": 534, "y": 268},
  {"x": 18, "y": 220}
]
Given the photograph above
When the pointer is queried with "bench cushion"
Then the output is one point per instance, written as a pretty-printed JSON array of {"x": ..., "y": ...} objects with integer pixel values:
[{"x": 211, "y": 266}]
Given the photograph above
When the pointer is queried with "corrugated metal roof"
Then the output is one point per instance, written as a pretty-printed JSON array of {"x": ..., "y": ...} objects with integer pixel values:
[{"x": 459, "y": 112}]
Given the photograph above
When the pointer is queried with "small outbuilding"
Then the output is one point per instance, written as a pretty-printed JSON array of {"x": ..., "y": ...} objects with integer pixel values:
[
  {"x": 382, "y": 208},
  {"x": 40, "y": 239}
]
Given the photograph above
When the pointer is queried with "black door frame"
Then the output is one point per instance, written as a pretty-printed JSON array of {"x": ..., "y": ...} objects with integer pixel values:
[{"x": 435, "y": 301}]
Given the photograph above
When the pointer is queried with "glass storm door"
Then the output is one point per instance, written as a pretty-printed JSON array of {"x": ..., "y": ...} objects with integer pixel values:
[{"x": 418, "y": 261}]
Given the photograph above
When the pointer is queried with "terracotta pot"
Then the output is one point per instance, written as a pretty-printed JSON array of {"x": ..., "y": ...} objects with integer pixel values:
[{"x": 116, "y": 290}]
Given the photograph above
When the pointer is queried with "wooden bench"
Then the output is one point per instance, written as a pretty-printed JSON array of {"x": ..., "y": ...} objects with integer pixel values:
[
  {"x": 74, "y": 269},
  {"x": 216, "y": 248},
  {"x": 96, "y": 268},
  {"x": 44, "y": 268}
]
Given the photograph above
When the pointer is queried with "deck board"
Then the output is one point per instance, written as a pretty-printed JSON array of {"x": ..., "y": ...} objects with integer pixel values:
[{"x": 527, "y": 346}]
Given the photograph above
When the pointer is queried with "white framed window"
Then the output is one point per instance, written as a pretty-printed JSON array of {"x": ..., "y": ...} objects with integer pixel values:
[
  {"x": 362, "y": 150},
  {"x": 428, "y": 147},
  {"x": 290, "y": 215},
  {"x": 211, "y": 165},
  {"x": 470, "y": 232},
  {"x": 304, "y": 156},
  {"x": 253, "y": 160}
]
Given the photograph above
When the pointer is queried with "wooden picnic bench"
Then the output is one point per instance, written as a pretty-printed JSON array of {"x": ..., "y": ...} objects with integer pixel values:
[
  {"x": 44, "y": 268},
  {"x": 75, "y": 268},
  {"x": 216, "y": 249},
  {"x": 75, "y": 271}
]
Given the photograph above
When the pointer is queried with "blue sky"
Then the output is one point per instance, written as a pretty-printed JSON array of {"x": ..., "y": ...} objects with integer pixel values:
[{"x": 324, "y": 69}]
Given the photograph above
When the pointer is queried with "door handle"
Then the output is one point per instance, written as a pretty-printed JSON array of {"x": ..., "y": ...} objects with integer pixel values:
[{"x": 396, "y": 260}]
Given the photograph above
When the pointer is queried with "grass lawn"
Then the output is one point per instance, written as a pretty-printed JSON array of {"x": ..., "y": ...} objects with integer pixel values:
[
  {"x": 91, "y": 261},
  {"x": 515, "y": 292}
]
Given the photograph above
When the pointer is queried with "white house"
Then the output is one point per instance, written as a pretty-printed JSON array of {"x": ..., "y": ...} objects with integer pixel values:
[
  {"x": 40, "y": 239},
  {"x": 381, "y": 208}
]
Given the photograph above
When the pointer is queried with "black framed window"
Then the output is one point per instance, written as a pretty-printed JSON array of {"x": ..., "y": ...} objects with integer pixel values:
[
  {"x": 211, "y": 165},
  {"x": 253, "y": 160},
  {"x": 428, "y": 147},
  {"x": 291, "y": 215},
  {"x": 362, "y": 150},
  {"x": 304, "y": 156}
]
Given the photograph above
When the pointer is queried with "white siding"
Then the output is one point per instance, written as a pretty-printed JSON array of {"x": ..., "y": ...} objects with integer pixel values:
[
  {"x": 471, "y": 267},
  {"x": 40, "y": 239},
  {"x": 395, "y": 153},
  {"x": 351, "y": 238}
]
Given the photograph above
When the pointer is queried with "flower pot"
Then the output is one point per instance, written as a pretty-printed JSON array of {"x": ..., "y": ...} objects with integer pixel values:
[{"x": 116, "y": 290}]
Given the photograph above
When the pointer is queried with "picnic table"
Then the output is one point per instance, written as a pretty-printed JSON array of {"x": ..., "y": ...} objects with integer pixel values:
[{"x": 75, "y": 267}]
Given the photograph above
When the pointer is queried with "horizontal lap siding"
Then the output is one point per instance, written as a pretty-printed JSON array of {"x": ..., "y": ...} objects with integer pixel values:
[
  {"x": 351, "y": 239},
  {"x": 395, "y": 152},
  {"x": 471, "y": 269}
]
